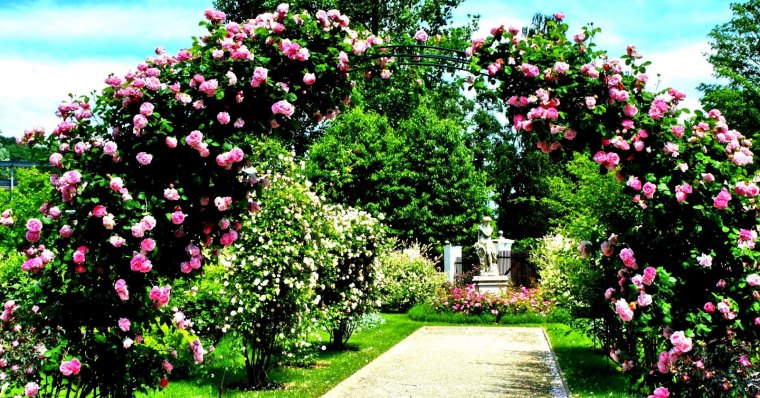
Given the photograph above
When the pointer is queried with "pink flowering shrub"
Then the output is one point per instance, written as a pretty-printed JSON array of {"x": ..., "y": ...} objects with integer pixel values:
[
  {"x": 153, "y": 168},
  {"x": 515, "y": 301},
  {"x": 690, "y": 180}
]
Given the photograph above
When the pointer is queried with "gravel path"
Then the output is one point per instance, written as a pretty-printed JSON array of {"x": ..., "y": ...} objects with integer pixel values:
[{"x": 439, "y": 361}]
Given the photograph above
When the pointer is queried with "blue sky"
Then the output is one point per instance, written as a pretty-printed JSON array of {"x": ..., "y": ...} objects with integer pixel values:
[{"x": 49, "y": 48}]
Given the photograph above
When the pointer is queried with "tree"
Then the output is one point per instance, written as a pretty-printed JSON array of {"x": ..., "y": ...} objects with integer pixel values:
[
  {"x": 735, "y": 57},
  {"x": 420, "y": 175}
]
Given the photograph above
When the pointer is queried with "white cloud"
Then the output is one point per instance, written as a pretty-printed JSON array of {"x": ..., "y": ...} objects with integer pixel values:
[{"x": 31, "y": 97}]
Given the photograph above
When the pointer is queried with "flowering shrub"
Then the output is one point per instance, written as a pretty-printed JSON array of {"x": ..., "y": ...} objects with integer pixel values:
[
  {"x": 688, "y": 316},
  {"x": 152, "y": 168},
  {"x": 349, "y": 288},
  {"x": 271, "y": 274},
  {"x": 468, "y": 300},
  {"x": 409, "y": 278}
]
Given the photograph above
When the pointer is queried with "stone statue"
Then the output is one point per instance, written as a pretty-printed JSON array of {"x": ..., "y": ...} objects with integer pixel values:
[{"x": 485, "y": 248}]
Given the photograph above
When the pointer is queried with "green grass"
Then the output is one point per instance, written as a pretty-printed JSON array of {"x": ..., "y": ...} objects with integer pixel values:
[
  {"x": 586, "y": 370},
  {"x": 330, "y": 368}
]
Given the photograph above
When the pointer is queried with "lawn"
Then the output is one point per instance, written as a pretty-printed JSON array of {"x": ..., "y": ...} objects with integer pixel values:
[{"x": 586, "y": 371}]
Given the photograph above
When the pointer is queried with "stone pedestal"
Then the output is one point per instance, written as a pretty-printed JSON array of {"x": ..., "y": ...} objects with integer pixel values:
[{"x": 491, "y": 283}]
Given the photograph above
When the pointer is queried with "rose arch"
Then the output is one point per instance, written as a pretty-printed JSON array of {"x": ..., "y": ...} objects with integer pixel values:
[{"x": 154, "y": 174}]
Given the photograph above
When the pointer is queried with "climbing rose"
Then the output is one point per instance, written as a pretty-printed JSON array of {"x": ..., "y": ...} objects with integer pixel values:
[
  {"x": 124, "y": 324},
  {"x": 649, "y": 189},
  {"x": 309, "y": 79},
  {"x": 421, "y": 35},
  {"x": 121, "y": 289},
  {"x": 753, "y": 280},
  {"x": 160, "y": 295},
  {"x": 144, "y": 158},
  {"x": 71, "y": 367},
  {"x": 721, "y": 201},
  {"x": 284, "y": 108},
  {"x": 34, "y": 225},
  {"x": 31, "y": 389},
  {"x": 660, "y": 392},
  {"x": 178, "y": 217},
  {"x": 681, "y": 343},
  {"x": 624, "y": 310}
]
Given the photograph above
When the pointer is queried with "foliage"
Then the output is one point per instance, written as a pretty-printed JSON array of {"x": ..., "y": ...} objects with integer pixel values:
[
  {"x": 693, "y": 236},
  {"x": 422, "y": 174},
  {"x": 735, "y": 59},
  {"x": 409, "y": 278},
  {"x": 31, "y": 193},
  {"x": 152, "y": 168}
]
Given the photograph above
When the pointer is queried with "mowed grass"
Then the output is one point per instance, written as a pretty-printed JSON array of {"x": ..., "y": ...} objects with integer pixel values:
[
  {"x": 586, "y": 370},
  {"x": 330, "y": 368}
]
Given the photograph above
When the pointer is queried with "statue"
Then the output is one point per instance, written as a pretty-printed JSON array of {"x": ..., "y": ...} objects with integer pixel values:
[{"x": 485, "y": 248}]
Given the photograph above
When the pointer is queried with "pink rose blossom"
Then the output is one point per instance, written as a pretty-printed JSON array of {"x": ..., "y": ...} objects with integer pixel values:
[
  {"x": 284, "y": 108},
  {"x": 623, "y": 310},
  {"x": 709, "y": 307},
  {"x": 649, "y": 189},
  {"x": 178, "y": 217},
  {"x": 121, "y": 289},
  {"x": 160, "y": 295},
  {"x": 421, "y": 36},
  {"x": 309, "y": 79},
  {"x": 171, "y": 142},
  {"x": 660, "y": 392},
  {"x": 144, "y": 158},
  {"x": 124, "y": 324},
  {"x": 171, "y": 194},
  {"x": 71, "y": 367},
  {"x": 753, "y": 280},
  {"x": 116, "y": 184},
  {"x": 31, "y": 389},
  {"x": 117, "y": 241},
  {"x": 681, "y": 343},
  {"x": 140, "y": 263},
  {"x": 721, "y": 201},
  {"x": 146, "y": 108},
  {"x": 147, "y": 244},
  {"x": 223, "y": 117}
]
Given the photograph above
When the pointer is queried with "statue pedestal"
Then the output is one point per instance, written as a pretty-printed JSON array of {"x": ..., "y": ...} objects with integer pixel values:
[{"x": 491, "y": 283}]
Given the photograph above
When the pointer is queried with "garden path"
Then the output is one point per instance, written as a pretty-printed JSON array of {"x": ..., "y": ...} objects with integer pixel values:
[{"x": 440, "y": 361}]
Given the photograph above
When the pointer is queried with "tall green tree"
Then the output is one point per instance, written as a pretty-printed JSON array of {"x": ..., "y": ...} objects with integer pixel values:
[
  {"x": 735, "y": 58},
  {"x": 420, "y": 174}
]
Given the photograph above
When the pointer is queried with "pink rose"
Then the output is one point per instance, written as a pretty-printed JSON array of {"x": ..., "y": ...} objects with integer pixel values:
[
  {"x": 721, "y": 201},
  {"x": 140, "y": 263},
  {"x": 66, "y": 231},
  {"x": 171, "y": 142},
  {"x": 139, "y": 121},
  {"x": 194, "y": 139},
  {"x": 148, "y": 222},
  {"x": 146, "y": 108},
  {"x": 144, "y": 158},
  {"x": 259, "y": 76},
  {"x": 709, "y": 307},
  {"x": 649, "y": 189},
  {"x": 99, "y": 211},
  {"x": 31, "y": 389},
  {"x": 171, "y": 194},
  {"x": 178, "y": 217},
  {"x": 309, "y": 79},
  {"x": 223, "y": 117},
  {"x": 160, "y": 295},
  {"x": 55, "y": 160},
  {"x": 421, "y": 36},
  {"x": 284, "y": 108},
  {"x": 753, "y": 280},
  {"x": 34, "y": 225},
  {"x": 121, "y": 289},
  {"x": 116, "y": 184},
  {"x": 681, "y": 343},
  {"x": 148, "y": 244},
  {"x": 117, "y": 241},
  {"x": 124, "y": 324},
  {"x": 71, "y": 367}
]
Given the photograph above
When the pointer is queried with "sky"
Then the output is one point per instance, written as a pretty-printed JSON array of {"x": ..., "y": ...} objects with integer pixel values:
[{"x": 50, "y": 48}]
